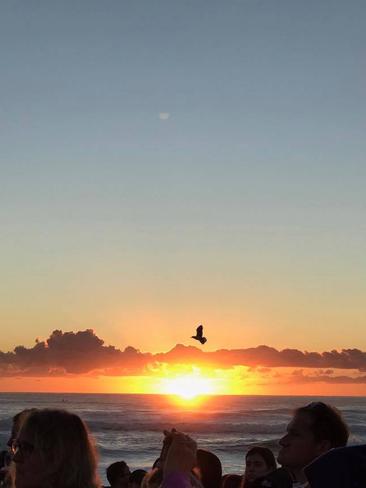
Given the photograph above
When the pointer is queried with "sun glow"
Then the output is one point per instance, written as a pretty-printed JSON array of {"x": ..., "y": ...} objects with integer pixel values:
[
  {"x": 188, "y": 387},
  {"x": 186, "y": 384}
]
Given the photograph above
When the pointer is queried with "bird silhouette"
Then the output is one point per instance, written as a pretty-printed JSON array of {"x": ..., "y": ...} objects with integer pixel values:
[{"x": 199, "y": 335}]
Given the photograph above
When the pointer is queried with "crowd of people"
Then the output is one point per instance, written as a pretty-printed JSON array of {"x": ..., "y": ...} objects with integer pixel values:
[{"x": 50, "y": 448}]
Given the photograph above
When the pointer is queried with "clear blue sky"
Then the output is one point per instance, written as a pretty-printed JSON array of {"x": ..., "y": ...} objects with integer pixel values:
[{"x": 171, "y": 162}]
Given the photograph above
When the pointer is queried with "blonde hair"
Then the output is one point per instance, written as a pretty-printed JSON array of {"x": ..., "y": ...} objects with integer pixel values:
[{"x": 65, "y": 444}]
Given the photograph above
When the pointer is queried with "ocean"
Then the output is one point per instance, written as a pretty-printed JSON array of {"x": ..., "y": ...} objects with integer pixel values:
[{"x": 129, "y": 427}]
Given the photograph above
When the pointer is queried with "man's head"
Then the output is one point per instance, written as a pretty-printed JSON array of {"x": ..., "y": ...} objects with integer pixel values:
[
  {"x": 118, "y": 474},
  {"x": 314, "y": 430},
  {"x": 136, "y": 478}
]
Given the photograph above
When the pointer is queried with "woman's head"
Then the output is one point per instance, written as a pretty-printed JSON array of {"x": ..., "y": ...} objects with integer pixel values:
[
  {"x": 259, "y": 461},
  {"x": 53, "y": 449}
]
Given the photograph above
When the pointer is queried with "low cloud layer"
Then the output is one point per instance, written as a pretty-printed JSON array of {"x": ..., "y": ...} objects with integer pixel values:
[
  {"x": 325, "y": 377},
  {"x": 72, "y": 353},
  {"x": 83, "y": 352}
]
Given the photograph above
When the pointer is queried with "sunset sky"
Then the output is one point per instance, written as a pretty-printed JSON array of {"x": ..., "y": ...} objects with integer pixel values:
[{"x": 165, "y": 164}]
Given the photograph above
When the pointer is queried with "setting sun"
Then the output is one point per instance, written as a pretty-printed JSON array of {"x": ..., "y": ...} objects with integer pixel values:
[{"x": 188, "y": 386}]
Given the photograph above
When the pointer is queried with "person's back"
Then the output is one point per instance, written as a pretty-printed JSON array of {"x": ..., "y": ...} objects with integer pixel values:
[{"x": 314, "y": 430}]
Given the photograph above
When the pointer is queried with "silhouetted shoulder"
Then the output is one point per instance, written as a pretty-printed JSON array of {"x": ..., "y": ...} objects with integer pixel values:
[{"x": 344, "y": 467}]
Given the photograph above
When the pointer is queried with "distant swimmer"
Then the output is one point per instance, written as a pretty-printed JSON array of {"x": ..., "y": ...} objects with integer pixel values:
[{"x": 199, "y": 335}]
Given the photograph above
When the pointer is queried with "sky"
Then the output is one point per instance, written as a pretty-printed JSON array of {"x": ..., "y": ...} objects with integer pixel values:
[{"x": 165, "y": 164}]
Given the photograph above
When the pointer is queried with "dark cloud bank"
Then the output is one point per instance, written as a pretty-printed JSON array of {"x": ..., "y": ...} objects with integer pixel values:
[{"x": 69, "y": 353}]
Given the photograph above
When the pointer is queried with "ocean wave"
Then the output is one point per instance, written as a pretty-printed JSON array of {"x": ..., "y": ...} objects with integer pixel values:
[
  {"x": 121, "y": 451},
  {"x": 201, "y": 427},
  {"x": 241, "y": 447},
  {"x": 5, "y": 424}
]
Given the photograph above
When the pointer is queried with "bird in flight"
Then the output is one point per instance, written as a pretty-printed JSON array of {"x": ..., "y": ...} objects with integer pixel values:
[{"x": 199, "y": 335}]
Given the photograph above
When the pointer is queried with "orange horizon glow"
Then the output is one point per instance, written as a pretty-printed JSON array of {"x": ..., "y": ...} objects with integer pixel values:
[
  {"x": 186, "y": 384},
  {"x": 81, "y": 362}
]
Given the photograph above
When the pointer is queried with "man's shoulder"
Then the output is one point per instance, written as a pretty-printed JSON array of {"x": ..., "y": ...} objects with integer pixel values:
[
  {"x": 280, "y": 478},
  {"x": 344, "y": 466}
]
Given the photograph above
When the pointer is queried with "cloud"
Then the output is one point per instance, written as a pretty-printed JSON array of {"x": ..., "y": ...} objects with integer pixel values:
[
  {"x": 265, "y": 356},
  {"x": 83, "y": 352},
  {"x": 72, "y": 353},
  {"x": 164, "y": 115},
  {"x": 323, "y": 377}
]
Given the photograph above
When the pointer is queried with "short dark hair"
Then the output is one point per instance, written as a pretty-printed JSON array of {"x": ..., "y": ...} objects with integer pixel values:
[
  {"x": 266, "y": 454},
  {"x": 137, "y": 476},
  {"x": 327, "y": 423},
  {"x": 116, "y": 470}
]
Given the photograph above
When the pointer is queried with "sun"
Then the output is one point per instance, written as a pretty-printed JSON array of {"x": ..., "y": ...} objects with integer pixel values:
[{"x": 188, "y": 387}]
